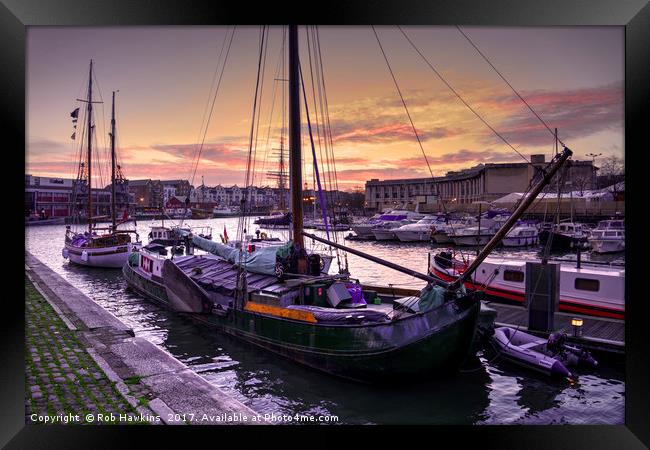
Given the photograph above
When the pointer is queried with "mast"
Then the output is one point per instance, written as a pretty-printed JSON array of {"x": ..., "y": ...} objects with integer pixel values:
[
  {"x": 295, "y": 159},
  {"x": 90, "y": 139},
  {"x": 113, "y": 164}
]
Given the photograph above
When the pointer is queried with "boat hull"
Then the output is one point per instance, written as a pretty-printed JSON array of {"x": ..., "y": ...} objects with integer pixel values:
[
  {"x": 607, "y": 245},
  {"x": 519, "y": 241},
  {"x": 471, "y": 239},
  {"x": 501, "y": 293},
  {"x": 371, "y": 354},
  {"x": 441, "y": 237},
  {"x": 384, "y": 235},
  {"x": 107, "y": 257},
  {"x": 413, "y": 235},
  {"x": 420, "y": 345},
  {"x": 560, "y": 242},
  {"x": 363, "y": 231}
]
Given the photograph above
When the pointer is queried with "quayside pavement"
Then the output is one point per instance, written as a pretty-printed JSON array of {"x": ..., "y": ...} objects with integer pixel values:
[{"x": 84, "y": 366}]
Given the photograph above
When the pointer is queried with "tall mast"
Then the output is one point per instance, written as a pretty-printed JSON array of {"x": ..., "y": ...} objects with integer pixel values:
[
  {"x": 295, "y": 159},
  {"x": 90, "y": 139},
  {"x": 113, "y": 163}
]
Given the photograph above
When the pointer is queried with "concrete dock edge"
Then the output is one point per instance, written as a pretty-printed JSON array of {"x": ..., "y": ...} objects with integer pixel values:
[{"x": 175, "y": 393}]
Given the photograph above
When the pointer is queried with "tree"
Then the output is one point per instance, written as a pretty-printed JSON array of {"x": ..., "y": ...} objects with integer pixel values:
[
  {"x": 612, "y": 171},
  {"x": 582, "y": 183}
]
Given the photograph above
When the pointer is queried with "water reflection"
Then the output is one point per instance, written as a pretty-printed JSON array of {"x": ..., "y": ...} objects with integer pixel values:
[{"x": 487, "y": 392}]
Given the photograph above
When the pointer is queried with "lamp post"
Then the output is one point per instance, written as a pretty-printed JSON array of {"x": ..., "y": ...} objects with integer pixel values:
[{"x": 593, "y": 157}]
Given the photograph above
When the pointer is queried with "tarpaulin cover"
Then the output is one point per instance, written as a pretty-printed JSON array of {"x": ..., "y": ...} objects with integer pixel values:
[
  {"x": 431, "y": 297},
  {"x": 219, "y": 275},
  {"x": 261, "y": 260},
  {"x": 134, "y": 259}
]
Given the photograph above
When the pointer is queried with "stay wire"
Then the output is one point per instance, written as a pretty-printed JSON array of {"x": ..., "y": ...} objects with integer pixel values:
[
  {"x": 508, "y": 83},
  {"x": 460, "y": 97}
]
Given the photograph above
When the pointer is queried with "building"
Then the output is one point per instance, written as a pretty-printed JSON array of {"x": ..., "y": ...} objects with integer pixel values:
[
  {"x": 64, "y": 197},
  {"x": 484, "y": 182},
  {"x": 147, "y": 193},
  {"x": 180, "y": 187}
]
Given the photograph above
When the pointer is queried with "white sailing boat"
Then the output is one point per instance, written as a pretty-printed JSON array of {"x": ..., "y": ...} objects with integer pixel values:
[{"x": 98, "y": 247}]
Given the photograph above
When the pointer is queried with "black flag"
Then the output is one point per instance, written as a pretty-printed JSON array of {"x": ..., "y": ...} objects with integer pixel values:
[
  {"x": 73, "y": 135},
  {"x": 74, "y": 114}
]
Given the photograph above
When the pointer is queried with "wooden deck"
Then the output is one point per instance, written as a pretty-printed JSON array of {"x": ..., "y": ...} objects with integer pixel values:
[{"x": 598, "y": 333}]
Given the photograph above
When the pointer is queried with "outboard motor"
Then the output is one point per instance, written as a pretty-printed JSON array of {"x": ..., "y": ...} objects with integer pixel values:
[
  {"x": 444, "y": 259},
  {"x": 556, "y": 342}
]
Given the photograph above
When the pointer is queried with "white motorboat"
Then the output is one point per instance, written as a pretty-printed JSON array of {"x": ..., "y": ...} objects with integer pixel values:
[
  {"x": 521, "y": 236},
  {"x": 224, "y": 211},
  {"x": 443, "y": 234},
  {"x": 364, "y": 229},
  {"x": 592, "y": 289},
  {"x": 479, "y": 234},
  {"x": 608, "y": 237},
  {"x": 385, "y": 231},
  {"x": 422, "y": 230}
]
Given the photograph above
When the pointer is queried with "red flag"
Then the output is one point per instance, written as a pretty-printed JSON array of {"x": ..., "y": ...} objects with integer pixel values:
[
  {"x": 225, "y": 234},
  {"x": 125, "y": 216}
]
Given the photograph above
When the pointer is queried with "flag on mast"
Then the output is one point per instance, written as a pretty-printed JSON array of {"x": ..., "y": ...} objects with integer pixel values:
[
  {"x": 74, "y": 114},
  {"x": 225, "y": 234}
]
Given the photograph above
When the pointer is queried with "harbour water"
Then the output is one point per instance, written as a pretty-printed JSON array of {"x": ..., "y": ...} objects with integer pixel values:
[{"x": 485, "y": 392}]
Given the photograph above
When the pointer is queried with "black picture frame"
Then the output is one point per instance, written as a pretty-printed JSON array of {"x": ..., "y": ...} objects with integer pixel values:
[{"x": 16, "y": 15}]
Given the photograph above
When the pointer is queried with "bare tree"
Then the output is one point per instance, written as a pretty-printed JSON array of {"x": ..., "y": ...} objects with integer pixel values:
[
  {"x": 613, "y": 171},
  {"x": 582, "y": 183}
]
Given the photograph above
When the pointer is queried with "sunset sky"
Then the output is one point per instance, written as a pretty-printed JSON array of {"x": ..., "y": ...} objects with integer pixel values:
[{"x": 573, "y": 77}]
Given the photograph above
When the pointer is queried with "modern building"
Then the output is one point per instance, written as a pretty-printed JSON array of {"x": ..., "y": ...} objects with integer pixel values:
[
  {"x": 484, "y": 182},
  {"x": 57, "y": 197}
]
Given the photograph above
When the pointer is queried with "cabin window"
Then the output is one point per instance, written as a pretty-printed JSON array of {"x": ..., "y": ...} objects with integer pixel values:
[
  {"x": 587, "y": 284},
  {"x": 513, "y": 275}
]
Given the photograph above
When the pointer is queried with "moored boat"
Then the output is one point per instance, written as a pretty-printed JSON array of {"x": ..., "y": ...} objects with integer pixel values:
[
  {"x": 608, "y": 237},
  {"x": 422, "y": 230},
  {"x": 106, "y": 247},
  {"x": 521, "y": 236},
  {"x": 552, "y": 356},
  {"x": 564, "y": 236},
  {"x": 590, "y": 289}
]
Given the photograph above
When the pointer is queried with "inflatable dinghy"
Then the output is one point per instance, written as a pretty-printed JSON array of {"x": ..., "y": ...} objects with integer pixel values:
[{"x": 549, "y": 356}]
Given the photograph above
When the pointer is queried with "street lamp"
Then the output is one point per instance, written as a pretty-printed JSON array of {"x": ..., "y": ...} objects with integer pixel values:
[{"x": 593, "y": 157}]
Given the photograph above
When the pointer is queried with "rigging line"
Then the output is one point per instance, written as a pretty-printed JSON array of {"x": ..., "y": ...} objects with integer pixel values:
[
  {"x": 223, "y": 67},
  {"x": 508, "y": 83},
  {"x": 212, "y": 84},
  {"x": 403, "y": 102},
  {"x": 325, "y": 105},
  {"x": 275, "y": 88},
  {"x": 459, "y": 96},
  {"x": 329, "y": 151},
  {"x": 313, "y": 148},
  {"x": 250, "y": 144},
  {"x": 259, "y": 114},
  {"x": 205, "y": 131}
]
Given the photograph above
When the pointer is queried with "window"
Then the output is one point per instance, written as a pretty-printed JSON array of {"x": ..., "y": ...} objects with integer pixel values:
[
  {"x": 587, "y": 284},
  {"x": 513, "y": 275}
]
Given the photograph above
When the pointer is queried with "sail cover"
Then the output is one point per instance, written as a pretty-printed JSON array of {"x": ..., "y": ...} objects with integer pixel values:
[{"x": 260, "y": 261}]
